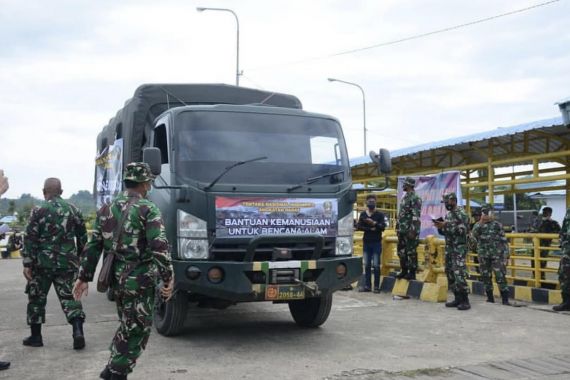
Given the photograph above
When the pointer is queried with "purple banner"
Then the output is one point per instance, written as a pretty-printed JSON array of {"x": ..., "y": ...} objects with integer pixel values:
[{"x": 430, "y": 189}]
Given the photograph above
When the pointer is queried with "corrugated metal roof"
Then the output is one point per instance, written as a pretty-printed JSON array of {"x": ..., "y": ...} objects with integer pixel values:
[{"x": 456, "y": 142}]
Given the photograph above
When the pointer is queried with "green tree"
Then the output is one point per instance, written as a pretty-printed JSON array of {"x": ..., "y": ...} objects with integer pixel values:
[{"x": 11, "y": 207}]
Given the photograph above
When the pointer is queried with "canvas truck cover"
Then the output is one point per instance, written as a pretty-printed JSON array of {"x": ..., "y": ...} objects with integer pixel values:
[{"x": 134, "y": 121}]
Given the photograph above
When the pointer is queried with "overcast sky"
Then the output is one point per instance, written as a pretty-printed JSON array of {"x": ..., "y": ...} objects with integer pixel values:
[{"x": 67, "y": 66}]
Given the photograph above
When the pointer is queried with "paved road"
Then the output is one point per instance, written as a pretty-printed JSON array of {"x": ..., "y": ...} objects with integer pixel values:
[{"x": 367, "y": 336}]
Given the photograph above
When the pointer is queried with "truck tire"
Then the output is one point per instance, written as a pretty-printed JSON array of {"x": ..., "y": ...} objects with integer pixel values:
[
  {"x": 169, "y": 317},
  {"x": 311, "y": 312}
]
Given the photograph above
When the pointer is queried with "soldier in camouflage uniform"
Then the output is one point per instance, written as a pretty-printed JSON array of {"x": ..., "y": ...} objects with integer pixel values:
[
  {"x": 564, "y": 268},
  {"x": 493, "y": 251},
  {"x": 408, "y": 229},
  {"x": 141, "y": 259},
  {"x": 3, "y": 188},
  {"x": 547, "y": 226},
  {"x": 54, "y": 238},
  {"x": 471, "y": 241},
  {"x": 455, "y": 229}
]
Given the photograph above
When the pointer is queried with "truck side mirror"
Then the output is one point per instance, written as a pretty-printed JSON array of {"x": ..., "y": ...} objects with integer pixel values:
[
  {"x": 382, "y": 160},
  {"x": 153, "y": 158}
]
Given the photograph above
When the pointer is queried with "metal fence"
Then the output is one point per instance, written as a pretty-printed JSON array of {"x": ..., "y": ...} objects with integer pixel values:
[{"x": 533, "y": 261}]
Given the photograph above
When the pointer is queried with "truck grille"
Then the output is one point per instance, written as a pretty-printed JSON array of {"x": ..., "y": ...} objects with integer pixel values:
[{"x": 228, "y": 251}]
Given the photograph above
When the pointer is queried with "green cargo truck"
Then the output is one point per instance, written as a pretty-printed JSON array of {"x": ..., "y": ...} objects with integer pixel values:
[{"x": 254, "y": 191}]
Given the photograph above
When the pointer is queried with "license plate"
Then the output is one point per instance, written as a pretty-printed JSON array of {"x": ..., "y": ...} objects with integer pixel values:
[{"x": 284, "y": 292}]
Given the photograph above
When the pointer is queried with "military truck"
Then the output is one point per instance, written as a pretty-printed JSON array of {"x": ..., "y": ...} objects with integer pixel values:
[{"x": 255, "y": 194}]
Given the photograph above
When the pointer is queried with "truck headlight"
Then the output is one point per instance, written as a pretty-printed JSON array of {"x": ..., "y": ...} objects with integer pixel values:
[
  {"x": 193, "y": 248},
  {"x": 192, "y": 236},
  {"x": 344, "y": 238},
  {"x": 343, "y": 246}
]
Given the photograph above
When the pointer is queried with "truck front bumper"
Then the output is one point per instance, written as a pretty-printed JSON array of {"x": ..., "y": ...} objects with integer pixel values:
[{"x": 250, "y": 281}]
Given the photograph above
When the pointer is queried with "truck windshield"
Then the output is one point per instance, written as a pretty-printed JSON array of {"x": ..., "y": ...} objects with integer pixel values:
[{"x": 296, "y": 147}]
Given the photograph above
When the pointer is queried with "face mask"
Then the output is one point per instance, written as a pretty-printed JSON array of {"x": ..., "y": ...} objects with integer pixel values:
[
  {"x": 448, "y": 207},
  {"x": 149, "y": 190},
  {"x": 371, "y": 205}
]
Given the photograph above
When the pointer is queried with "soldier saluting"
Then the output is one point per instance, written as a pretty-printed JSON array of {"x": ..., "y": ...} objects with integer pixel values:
[
  {"x": 141, "y": 258},
  {"x": 55, "y": 236}
]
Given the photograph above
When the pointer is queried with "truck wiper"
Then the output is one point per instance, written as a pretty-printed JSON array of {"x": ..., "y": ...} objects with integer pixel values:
[
  {"x": 227, "y": 169},
  {"x": 313, "y": 179}
]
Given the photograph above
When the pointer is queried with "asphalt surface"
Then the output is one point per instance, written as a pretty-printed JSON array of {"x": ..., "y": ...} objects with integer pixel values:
[{"x": 367, "y": 336}]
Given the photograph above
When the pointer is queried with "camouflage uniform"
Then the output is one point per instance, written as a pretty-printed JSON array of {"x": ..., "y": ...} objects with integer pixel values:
[
  {"x": 547, "y": 226},
  {"x": 141, "y": 259},
  {"x": 564, "y": 268},
  {"x": 471, "y": 241},
  {"x": 54, "y": 236},
  {"x": 493, "y": 251},
  {"x": 455, "y": 232},
  {"x": 408, "y": 229}
]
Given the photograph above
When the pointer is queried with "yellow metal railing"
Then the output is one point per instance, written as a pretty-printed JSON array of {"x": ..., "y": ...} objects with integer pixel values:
[{"x": 524, "y": 263}]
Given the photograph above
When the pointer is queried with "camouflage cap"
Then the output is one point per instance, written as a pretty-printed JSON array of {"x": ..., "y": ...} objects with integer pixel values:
[
  {"x": 138, "y": 172},
  {"x": 475, "y": 211},
  {"x": 486, "y": 207},
  {"x": 409, "y": 181},
  {"x": 449, "y": 196}
]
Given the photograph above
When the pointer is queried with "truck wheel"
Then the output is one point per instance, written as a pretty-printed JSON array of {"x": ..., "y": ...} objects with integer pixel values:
[
  {"x": 110, "y": 294},
  {"x": 311, "y": 312},
  {"x": 169, "y": 317}
]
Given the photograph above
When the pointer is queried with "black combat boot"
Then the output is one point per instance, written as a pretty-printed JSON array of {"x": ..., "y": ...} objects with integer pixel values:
[
  {"x": 34, "y": 340},
  {"x": 453, "y": 303},
  {"x": 78, "y": 337},
  {"x": 403, "y": 272},
  {"x": 4, "y": 365},
  {"x": 490, "y": 296},
  {"x": 410, "y": 276},
  {"x": 464, "y": 302},
  {"x": 565, "y": 305},
  {"x": 505, "y": 297},
  {"x": 116, "y": 376},
  {"x": 105, "y": 374}
]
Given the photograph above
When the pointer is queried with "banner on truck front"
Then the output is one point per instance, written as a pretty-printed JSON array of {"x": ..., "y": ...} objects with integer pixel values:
[
  {"x": 109, "y": 167},
  {"x": 254, "y": 216},
  {"x": 430, "y": 189}
]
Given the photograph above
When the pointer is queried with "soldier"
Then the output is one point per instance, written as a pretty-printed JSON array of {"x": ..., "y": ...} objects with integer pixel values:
[
  {"x": 54, "y": 237},
  {"x": 547, "y": 226},
  {"x": 455, "y": 228},
  {"x": 408, "y": 229},
  {"x": 493, "y": 251},
  {"x": 564, "y": 268},
  {"x": 471, "y": 241},
  {"x": 3, "y": 188},
  {"x": 141, "y": 258},
  {"x": 534, "y": 222}
]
